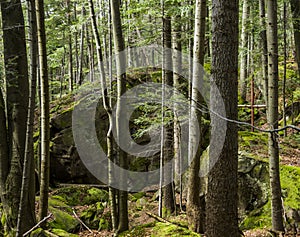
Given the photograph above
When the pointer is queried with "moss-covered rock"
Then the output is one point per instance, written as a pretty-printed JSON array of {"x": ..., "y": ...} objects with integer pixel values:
[
  {"x": 290, "y": 184},
  {"x": 166, "y": 229},
  {"x": 63, "y": 220},
  {"x": 62, "y": 233},
  {"x": 80, "y": 195}
]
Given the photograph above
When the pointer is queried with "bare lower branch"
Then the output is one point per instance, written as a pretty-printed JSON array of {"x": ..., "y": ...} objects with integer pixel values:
[{"x": 38, "y": 224}]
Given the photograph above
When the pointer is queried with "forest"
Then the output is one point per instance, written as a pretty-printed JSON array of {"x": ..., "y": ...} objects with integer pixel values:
[{"x": 150, "y": 118}]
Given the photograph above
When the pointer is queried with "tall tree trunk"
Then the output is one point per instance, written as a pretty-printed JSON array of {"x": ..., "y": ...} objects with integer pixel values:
[
  {"x": 80, "y": 59},
  {"x": 221, "y": 202},
  {"x": 167, "y": 79},
  {"x": 113, "y": 193},
  {"x": 284, "y": 65},
  {"x": 17, "y": 94},
  {"x": 71, "y": 77},
  {"x": 90, "y": 54},
  {"x": 45, "y": 131},
  {"x": 196, "y": 213},
  {"x": 244, "y": 51},
  {"x": 177, "y": 64},
  {"x": 107, "y": 107},
  {"x": 28, "y": 180},
  {"x": 264, "y": 45},
  {"x": 121, "y": 88},
  {"x": 295, "y": 5},
  {"x": 277, "y": 217}
]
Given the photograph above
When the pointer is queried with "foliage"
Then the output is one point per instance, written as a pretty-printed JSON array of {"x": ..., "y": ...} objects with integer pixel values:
[{"x": 96, "y": 217}]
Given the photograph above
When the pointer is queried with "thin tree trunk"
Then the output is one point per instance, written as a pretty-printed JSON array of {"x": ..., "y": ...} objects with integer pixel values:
[
  {"x": 107, "y": 107},
  {"x": 221, "y": 201},
  {"x": 196, "y": 213},
  {"x": 284, "y": 64},
  {"x": 264, "y": 45},
  {"x": 177, "y": 64},
  {"x": 45, "y": 131},
  {"x": 121, "y": 88},
  {"x": 80, "y": 60},
  {"x": 295, "y": 5},
  {"x": 113, "y": 193},
  {"x": 71, "y": 77},
  {"x": 4, "y": 162},
  {"x": 244, "y": 51},
  {"x": 167, "y": 79},
  {"x": 276, "y": 203},
  {"x": 28, "y": 180},
  {"x": 90, "y": 55}
]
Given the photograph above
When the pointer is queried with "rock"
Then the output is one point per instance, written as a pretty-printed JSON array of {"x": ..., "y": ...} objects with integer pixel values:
[
  {"x": 63, "y": 120},
  {"x": 63, "y": 220}
]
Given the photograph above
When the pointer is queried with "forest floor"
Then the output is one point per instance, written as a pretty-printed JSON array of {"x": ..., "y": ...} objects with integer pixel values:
[{"x": 142, "y": 224}]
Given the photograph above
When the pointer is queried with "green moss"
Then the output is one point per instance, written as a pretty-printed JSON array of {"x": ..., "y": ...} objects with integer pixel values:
[
  {"x": 135, "y": 196},
  {"x": 156, "y": 76},
  {"x": 63, "y": 220},
  {"x": 253, "y": 141},
  {"x": 81, "y": 195},
  {"x": 165, "y": 229},
  {"x": 62, "y": 233},
  {"x": 258, "y": 219},
  {"x": 38, "y": 233},
  {"x": 138, "y": 231},
  {"x": 290, "y": 184}
]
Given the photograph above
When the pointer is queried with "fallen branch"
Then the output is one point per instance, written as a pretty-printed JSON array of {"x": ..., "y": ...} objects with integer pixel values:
[
  {"x": 160, "y": 219},
  {"x": 38, "y": 224},
  {"x": 77, "y": 217}
]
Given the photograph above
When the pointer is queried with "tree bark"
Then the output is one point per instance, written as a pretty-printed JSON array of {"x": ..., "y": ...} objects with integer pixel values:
[
  {"x": 168, "y": 204},
  {"x": 45, "y": 131},
  {"x": 71, "y": 77},
  {"x": 264, "y": 45},
  {"x": 121, "y": 88},
  {"x": 244, "y": 51},
  {"x": 17, "y": 93},
  {"x": 80, "y": 59},
  {"x": 196, "y": 212},
  {"x": 28, "y": 180},
  {"x": 221, "y": 201},
  {"x": 177, "y": 64},
  {"x": 295, "y": 5},
  {"x": 276, "y": 203},
  {"x": 107, "y": 107}
]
